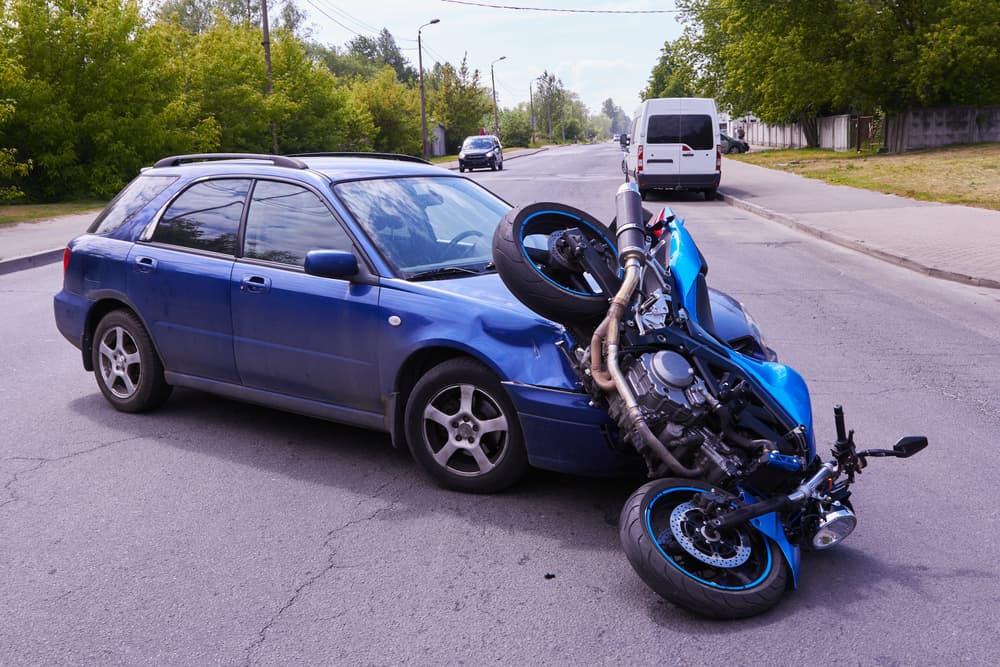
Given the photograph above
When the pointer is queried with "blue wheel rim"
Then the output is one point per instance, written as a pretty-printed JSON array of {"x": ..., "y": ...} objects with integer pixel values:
[{"x": 578, "y": 221}]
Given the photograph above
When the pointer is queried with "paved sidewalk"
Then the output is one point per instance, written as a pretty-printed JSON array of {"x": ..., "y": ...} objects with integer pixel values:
[{"x": 958, "y": 243}]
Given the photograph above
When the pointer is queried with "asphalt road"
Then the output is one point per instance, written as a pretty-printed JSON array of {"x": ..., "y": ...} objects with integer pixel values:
[{"x": 214, "y": 533}]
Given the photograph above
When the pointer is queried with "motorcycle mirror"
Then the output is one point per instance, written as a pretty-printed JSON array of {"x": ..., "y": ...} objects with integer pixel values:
[{"x": 909, "y": 445}]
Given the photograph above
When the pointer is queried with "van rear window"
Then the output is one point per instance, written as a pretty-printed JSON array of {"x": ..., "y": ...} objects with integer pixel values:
[{"x": 695, "y": 130}]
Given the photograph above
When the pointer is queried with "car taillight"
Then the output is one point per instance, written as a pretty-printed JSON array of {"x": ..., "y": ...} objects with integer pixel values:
[
  {"x": 638, "y": 159},
  {"x": 66, "y": 253},
  {"x": 718, "y": 157}
]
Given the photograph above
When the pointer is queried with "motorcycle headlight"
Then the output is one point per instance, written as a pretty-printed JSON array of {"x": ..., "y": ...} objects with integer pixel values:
[{"x": 834, "y": 527}]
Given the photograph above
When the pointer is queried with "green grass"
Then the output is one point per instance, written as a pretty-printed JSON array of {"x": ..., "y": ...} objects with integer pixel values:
[
  {"x": 964, "y": 174},
  {"x": 14, "y": 213}
]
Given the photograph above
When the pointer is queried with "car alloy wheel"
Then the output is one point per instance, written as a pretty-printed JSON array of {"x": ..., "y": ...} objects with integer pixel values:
[
  {"x": 463, "y": 430},
  {"x": 128, "y": 370}
]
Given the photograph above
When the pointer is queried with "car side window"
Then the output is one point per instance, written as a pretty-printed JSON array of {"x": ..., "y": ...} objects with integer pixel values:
[
  {"x": 206, "y": 216},
  {"x": 286, "y": 221}
]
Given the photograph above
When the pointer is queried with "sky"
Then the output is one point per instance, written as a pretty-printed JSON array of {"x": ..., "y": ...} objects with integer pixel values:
[{"x": 596, "y": 55}]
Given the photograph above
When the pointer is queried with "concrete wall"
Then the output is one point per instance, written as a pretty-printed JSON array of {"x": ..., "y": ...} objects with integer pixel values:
[
  {"x": 919, "y": 128},
  {"x": 834, "y": 133},
  {"x": 928, "y": 128}
]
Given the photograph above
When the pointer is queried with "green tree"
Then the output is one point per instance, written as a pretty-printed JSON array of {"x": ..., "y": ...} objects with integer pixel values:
[
  {"x": 228, "y": 78},
  {"x": 618, "y": 122},
  {"x": 99, "y": 97},
  {"x": 456, "y": 99},
  {"x": 789, "y": 61},
  {"x": 515, "y": 126},
  {"x": 382, "y": 50},
  {"x": 11, "y": 169},
  {"x": 394, "y": 109},
  {"x": 311, "y": 111},
  {"x": 672, "y": 76}
]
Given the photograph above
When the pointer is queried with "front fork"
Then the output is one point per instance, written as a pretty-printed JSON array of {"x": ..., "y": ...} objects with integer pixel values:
[{"x": 837, "y": 520}]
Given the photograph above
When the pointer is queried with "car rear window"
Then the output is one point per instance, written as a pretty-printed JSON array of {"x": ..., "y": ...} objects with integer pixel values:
[
  {"x": 135, "y": 195},
  {"x": 695, "y": 130},
  {"x": 206, "y": 216}
]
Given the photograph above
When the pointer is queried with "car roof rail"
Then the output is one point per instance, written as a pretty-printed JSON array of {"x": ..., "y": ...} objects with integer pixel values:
[
  {"x": 376, "y": 156},
  {"x": 276, "y": 160}
]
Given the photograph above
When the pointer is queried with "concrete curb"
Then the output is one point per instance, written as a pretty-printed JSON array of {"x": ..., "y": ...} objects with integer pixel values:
[
  {"x": 859, "y": 246},
  {"x": 32, "y": 261}
]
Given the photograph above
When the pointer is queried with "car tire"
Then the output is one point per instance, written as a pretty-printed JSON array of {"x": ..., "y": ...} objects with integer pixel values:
[
  {"x": 128, "y": 370},
  {"x": 500, "y": 165},
  {"x": 493, "y": 165},
  {"x": 463, "y": 430},
  {"x": 711, "y": 194}
]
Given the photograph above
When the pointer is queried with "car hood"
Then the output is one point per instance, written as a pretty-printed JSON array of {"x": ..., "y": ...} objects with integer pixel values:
[{"x": 482, "y": 291}]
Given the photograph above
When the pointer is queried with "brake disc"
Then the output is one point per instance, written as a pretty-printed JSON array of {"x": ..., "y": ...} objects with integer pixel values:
[{"x": 695, "y": 536}]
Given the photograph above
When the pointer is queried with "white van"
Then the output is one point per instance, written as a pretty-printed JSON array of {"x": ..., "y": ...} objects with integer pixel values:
[{"x": 674, "y": 145}]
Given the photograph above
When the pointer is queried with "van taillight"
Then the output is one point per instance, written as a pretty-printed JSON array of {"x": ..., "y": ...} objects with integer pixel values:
[
  {"x": 638, "y": 159},
  {"x": 718, "y": 157},
  {"x": 66, "y": 253}
]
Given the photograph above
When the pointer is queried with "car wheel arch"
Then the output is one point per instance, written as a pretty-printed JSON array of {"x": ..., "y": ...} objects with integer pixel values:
[
  {"x": 413, "y": 368},
  {"x": 94, "y": 316}
]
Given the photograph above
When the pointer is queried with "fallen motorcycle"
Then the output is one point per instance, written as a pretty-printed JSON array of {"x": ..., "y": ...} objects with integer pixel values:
[{"x": 736, "y": 488}]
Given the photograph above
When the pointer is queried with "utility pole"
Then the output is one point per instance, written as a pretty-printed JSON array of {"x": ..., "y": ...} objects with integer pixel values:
[
  {"x": 531, "y": 104},
  {"x": 423, "y": 104},
  {"x": 493, "y": 82},
  {"x": 267, "y": 61}
]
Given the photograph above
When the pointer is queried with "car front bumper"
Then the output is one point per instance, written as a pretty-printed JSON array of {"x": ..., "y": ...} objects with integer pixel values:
[{"x": 565, "y": 433}]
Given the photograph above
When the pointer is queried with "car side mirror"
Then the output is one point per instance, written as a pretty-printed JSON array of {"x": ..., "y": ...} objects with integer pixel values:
[{"x": 331, "y": 264}]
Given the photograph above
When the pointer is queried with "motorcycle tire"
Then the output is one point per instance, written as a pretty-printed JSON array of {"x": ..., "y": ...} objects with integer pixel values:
[
  {"x": 551, "y": 291},
  {"x": 733, "y": 574}
]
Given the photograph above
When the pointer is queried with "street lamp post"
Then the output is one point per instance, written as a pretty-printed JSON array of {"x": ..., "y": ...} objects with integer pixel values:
[
  {"x": 493, "y": 81},
  {"x": 423, "y": 107}
]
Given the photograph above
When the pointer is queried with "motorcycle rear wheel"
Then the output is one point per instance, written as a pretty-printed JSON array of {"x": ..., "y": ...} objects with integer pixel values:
[
  {"x": 523, "y": 262},
  {"x": 731, "y": 574}
]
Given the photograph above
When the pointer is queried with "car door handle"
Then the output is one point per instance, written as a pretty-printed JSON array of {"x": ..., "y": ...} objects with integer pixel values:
[
  {"x": 688, "y": 154},
  {"x": 145, "y": 264},
  {"x": 255, "y": 284}
]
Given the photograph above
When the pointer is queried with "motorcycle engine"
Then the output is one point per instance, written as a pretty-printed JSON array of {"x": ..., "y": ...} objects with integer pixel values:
[
  {"x": 666, "y": 387},
  {"x": 676, "y": 405}
]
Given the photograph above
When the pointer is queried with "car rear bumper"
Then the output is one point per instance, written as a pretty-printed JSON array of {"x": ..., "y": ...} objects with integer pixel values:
[
  {"x": 563, "y": 432},
  {"x": 678, "y": 181},
  {"x": 71, "y": 316}
]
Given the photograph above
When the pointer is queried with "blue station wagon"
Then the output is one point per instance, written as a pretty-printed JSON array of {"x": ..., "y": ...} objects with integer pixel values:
[{"x": 354, "y": 288}]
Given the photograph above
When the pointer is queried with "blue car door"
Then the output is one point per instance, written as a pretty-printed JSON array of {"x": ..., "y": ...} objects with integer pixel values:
[
  {"x": 296, "y": 334},
  {"x": 178, "y": 278}
]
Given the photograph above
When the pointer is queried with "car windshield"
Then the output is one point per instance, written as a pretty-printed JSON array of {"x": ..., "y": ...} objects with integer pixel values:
[
  {"x": 477, "y": 142},
  {"x": 426, "y": 226}
]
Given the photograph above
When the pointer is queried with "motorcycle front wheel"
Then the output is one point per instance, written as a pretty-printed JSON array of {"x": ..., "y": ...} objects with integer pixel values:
[{"x": 730, "y": 573}]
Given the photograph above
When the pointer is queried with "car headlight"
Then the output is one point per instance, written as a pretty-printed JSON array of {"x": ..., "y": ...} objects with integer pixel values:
[
  {"x": 489, "y": 153},
  {"x": 461, "y": 155}
]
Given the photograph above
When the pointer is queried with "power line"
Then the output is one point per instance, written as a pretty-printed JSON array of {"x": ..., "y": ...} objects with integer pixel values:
[{"x": 565, "y": 11}]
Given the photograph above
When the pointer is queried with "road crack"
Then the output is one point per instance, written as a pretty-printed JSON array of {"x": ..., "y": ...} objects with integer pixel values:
[
  {"x": 330, "y": 565},
  {"x": 39, "y": 462}
]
